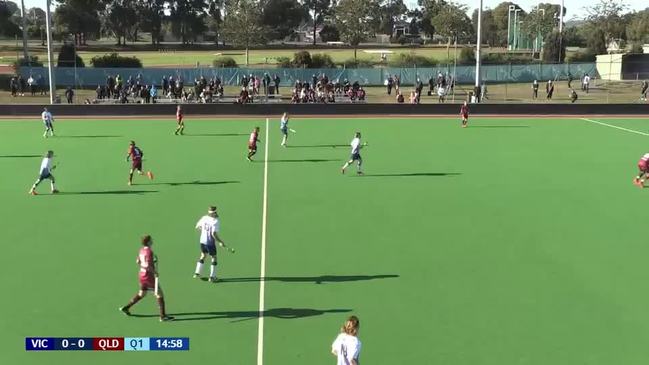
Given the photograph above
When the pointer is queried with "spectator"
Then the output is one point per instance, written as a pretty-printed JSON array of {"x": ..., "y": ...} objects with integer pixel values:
[
  {"x": 390, "y": 84},
  {"x": 69, "y": 94},
  {"x": 483, "y": 92},
  {"x": 13, "y": 86},
  {"x": 570, "y": 78},
  {"x": 165, "y": 84},
  {"x": 433, "y": 85},
  {"x": 586, "y": 83},
  {"x": 266, "y": 83},
  {"x": 32, "y": 85},
  {"x": 154, "y": 93},
  {"x": 276, "y": 80},
  {"x": 419, "y": 87},
  {"x": 99, "y": 92},
  {"x": 147, "y": 94},
  {"x": 441, "y": 94},
  {"x": 22, "y": 85},
  {"x": 314, "y": 80},
  {"x": 397, "y": 83},
  {"x": 573, "y": 96},
  {"x": 400, "y": 98},
  {"x": 361, "y": 94},
  {"x": 244, "y": 96},
  {"x": 413, "y": 97},
  {"x": 535, "y": 89},
  {"x": 643, "y": 90},
  {"x": 549, "y": 90},
  {"x": 40, "y": 84}
]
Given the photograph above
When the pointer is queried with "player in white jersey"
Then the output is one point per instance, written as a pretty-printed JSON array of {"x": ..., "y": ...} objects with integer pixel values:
[
  {"x": 209, "y": 225},
  {"x": 45, "y": 172},
  {"x": 356, "y": 153},
  {"x": 48, "y": 120},
  {"x": 347, "y": 346},
  {"x": 283, "y": 126}
]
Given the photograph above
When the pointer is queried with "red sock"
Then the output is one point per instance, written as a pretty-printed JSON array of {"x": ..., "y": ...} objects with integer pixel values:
[{"x": 161, "y": 304}]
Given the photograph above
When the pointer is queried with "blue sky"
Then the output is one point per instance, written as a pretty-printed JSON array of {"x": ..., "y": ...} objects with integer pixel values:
[{"x": 574, "y": 7}]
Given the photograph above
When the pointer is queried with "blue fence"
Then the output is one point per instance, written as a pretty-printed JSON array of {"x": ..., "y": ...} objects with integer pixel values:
[{"x": 91, "y": 77}]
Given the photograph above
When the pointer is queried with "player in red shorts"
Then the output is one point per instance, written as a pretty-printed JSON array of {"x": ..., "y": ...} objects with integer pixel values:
[
  {"x": 180, "y": 121},
  {"x": 252, "y": 143},
  {"x": 643, "y": 166},
  {"x": 135, "y": 154},
  {"x": 148, "y": 275},
  {"x": 464, "y": 113}
]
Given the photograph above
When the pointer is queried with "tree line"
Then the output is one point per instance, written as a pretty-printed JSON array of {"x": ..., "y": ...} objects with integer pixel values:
[{"x": 245, "y": 23}]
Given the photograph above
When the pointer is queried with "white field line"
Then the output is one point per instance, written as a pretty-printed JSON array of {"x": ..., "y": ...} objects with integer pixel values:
[
  {"x": 616, "y": 127},
  {"x": 262, "y": 270}
]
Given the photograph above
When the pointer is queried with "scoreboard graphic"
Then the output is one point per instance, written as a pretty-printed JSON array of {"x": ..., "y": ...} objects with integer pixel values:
[{"x": 107, "y": 343}]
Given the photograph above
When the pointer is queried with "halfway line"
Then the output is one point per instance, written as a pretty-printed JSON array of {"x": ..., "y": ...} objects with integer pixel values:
[
  {"x": 262, "y": 270},
  {"x": 616, "y": 127}
]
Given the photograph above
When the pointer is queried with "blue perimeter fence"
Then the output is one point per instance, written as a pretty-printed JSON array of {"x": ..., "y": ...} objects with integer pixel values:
[{"x": 87, "y": 77}]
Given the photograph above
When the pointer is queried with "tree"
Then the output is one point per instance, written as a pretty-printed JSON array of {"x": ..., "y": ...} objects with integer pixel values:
[
  {"x": 120, "y": 18},
  {"x": 573, "y": 37},
  {"x": 8, "y": 27},
  {"x": 501, "y": 15},
  {"x": 607, "y": 16},
  {"x": 214, "y": 19},
  {"x": 319, "y": 9},
  {"x": 329, "y": 33},
  {"x": 421, "y": 18},
  {"x": 489, "y": 29},
  {"x": 637, "y": 31},
  {"x": 554, "y": 49},
  {"x": 68, "y": 57},
  {"x": 151, "y": 15},
  {"x": 390, "y": 12},
  {"x": 35, "y": 22},
  {"x": 453, "y": 23},
  {"x": 596, "y": 40},
  {"x": 282, "y": 17},
  {"x": 79, "y": 17},
  {"x": 355, "y": 19},
  {"x": 187, "y": 19},
  {"x": 242, "y": 25}
]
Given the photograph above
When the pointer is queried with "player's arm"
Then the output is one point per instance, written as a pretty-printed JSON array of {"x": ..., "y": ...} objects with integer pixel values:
[{"x": 218, "y": 239}]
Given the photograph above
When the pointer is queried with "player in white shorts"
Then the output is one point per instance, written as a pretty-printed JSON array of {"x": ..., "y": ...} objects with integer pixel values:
[
  {"x": 283, "y": 126},
  {"x": 45, "y": 172},
  {"x": 48, "y": 120},
  {"x": 209, "y": 225},
  {"x": 347, "y": 346},
  {"x": 356, "y": 153}
]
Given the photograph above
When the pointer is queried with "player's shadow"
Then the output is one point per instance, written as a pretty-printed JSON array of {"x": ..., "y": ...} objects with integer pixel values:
[
  {"x": 236, "y": 316},
  {"x": 216, "y": 134},
  {"x": 318, "y": 146},
  {"x": 302, "y": 160},
  {"x": 20, "y": 156},
  {"x": 310, "y": 279},
  {"x": 499, "y": 126},
  {"x": 413, "y": 174},
  {"x": 108, "y": 192},
  {"x": 195, "y": 182}
]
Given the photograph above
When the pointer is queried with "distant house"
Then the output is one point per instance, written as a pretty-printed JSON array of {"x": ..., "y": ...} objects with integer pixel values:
[
  {"x": 304, "y": 33},
  {"x": 400, "y": 28},
  {"x": 615, "y": 45},
  {"x": 645, "y": 48}
]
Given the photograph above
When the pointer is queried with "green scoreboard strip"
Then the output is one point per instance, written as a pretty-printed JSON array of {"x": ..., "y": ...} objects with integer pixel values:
[{"x": 107, "y": 344}]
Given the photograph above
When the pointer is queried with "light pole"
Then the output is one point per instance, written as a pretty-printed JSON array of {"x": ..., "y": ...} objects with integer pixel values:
[
  {"x": 50, "y": 63},
  {"x": 477, "y": 55},
  {"x": 561, "y": 18},
  {"x": 539, "y": 42},
  {"x": 509, "y": 26},
  {"x": 516, "y": 28}
]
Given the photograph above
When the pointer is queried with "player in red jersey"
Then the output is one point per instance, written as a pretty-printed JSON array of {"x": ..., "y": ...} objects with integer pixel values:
[
  {"x": 180, "y": 121},
  {"x": 464, "y": 113},
  {"x": 252, "y": 143},
  {"x": 643, "y": 166},
  {"x": 148, "y": 275},
  {"x": 135, "y": 154}
]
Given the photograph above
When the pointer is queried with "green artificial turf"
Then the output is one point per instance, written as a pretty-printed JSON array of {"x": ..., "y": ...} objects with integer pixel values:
[{"x": 513, "y": 241}]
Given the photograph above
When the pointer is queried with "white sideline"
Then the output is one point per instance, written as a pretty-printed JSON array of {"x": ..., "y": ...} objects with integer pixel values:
[
  {"x": 262, "y": 270},
  {"x": 616, "y": 127}
]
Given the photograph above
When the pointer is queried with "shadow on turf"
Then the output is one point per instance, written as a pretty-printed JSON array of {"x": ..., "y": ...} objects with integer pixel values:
[
  {"x": 108, "y": 192},
  {"x": 414, "y": 174},
  {"x": 196, "y": 182},
  {"x": 280, "y": 313},
  {"x": 318, "y": 146},
  {"x": 499, "y": 126},
  {"x": 96, "y": 136},
  {"x": 20, "y": 156},
  {"x": 310, "y": 279},
  {"x": 304, "y": 160}
]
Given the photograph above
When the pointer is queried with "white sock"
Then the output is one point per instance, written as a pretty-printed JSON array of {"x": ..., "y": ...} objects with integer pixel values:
[
  {"x": 53, "y": 187},
  {"x": 212, "y": 270},
  {"x": 199, "y": 267}
]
